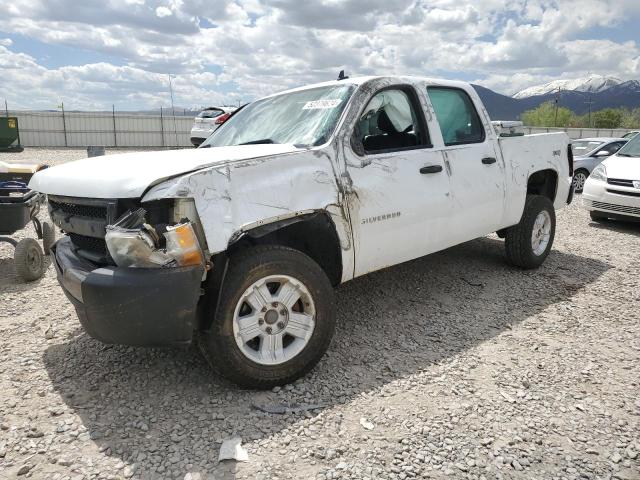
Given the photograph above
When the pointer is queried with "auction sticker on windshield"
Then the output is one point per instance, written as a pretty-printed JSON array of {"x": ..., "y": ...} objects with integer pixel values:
[{"x": 321, "y": 104}]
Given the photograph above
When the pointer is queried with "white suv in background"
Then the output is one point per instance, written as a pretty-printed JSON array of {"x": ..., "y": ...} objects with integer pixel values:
[
  {"x": 207, "y": 121},
  {"x": 613, "y": 188}
]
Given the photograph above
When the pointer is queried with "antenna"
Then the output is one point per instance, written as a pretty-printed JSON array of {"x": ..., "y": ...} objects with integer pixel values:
[{"x": 342, "y": 76}]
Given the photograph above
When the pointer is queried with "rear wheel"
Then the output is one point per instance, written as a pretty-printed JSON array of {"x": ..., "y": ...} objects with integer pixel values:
[
  {"x": 275, "y": 318},
  {"x": 29, "y": 260},
  {"x": 528, "y": 243},
  {"x": 579, "y": 178}
]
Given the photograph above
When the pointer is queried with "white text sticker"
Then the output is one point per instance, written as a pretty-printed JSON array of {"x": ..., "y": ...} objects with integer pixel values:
[{"x": 321, "y": 104}]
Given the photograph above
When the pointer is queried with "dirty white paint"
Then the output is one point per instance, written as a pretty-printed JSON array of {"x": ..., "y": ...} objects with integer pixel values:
[{"x": 385, "y": 211}]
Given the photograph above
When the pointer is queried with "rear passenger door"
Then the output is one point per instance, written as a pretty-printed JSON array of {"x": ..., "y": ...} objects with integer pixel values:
[{"x": 476, "y": 171}]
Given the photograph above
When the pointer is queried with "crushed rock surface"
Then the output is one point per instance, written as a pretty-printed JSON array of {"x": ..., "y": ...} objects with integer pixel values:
[{"x": 464, "y": 367}]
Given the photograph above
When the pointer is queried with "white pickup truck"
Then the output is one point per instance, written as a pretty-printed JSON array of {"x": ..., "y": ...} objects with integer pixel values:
[{"x": 237, "y": 244}]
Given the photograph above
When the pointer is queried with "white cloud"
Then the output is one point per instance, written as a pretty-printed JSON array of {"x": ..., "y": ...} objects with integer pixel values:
[
  {"x": 163, "y": 12},
  {"x": 260, "y": 46},
  {"x": 6, "y": 42}
]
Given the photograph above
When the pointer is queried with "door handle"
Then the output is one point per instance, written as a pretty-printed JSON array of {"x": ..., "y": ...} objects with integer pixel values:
[
  {"x": 488, "y": 160},
  {"x": 431, "y": 169}
]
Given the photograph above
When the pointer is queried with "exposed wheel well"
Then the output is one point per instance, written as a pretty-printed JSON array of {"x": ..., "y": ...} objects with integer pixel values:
[
  {"x": 543, "y": 182},
  {"x": 313, "y": 234}
]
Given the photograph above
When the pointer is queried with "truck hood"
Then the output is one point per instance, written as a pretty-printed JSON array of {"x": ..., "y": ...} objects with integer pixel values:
[
  {"x": 128, "y": 175},
  {"x": 627, "y": 168}
]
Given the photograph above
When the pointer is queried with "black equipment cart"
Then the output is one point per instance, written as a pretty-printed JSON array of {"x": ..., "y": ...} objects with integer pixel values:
[{"x": 18, "y": 207}]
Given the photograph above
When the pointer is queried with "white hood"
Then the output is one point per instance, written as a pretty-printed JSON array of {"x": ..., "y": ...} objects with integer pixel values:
[
  {"x": 128, "y": 175},
  {"x": 626, "y": 168}
]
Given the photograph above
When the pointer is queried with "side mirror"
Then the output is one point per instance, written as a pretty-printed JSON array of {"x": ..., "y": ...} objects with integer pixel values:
[{"x": 603, "y": 153}]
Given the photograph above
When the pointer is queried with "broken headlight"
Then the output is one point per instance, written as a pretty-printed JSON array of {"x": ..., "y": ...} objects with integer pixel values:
[{"x": 133, "y": 243}]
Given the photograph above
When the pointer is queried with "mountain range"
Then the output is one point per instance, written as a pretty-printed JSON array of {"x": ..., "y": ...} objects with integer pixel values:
[{"x": 577, "y": 94}]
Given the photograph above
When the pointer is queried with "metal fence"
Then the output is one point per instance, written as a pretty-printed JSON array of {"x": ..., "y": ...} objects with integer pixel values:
[
  {"x": 580, "y": 132},
  {"x": 73, "y": 129},
  {"x": 53, "y": 129}
]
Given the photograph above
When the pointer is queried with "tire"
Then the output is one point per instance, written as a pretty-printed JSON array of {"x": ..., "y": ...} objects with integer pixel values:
[
  {"x": 519, "y": 242},
  {"x": 579, "y": 177},
  {"x": 597, "y": 216},
  {"x": 48, "y": 237},
  {"x": 245, "y": 363},
  {"x": 29, "y": 260}
]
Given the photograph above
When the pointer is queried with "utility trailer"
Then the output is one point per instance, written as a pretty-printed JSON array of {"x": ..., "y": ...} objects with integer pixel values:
[{"x": 18, "y": 206}]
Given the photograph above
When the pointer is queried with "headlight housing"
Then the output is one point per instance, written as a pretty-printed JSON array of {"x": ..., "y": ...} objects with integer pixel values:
[
  {"x": 133, "y": 243},
  {"x": 599, "y": 173}
]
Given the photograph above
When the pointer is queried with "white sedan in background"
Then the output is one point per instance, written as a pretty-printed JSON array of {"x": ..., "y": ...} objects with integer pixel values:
[
  {"x": 207, "y": 121},
  {"x": 613, "y": 188}
]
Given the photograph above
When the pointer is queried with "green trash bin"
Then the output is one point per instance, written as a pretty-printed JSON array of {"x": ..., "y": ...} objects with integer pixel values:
[{"x": 9, "y": 134}]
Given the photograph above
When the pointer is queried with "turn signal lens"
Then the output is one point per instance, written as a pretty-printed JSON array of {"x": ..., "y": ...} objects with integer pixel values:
[{"x": 183, "y": 246}]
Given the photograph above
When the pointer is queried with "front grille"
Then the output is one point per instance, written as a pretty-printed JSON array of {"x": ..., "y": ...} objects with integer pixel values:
[
  {"x": 78, "y": 210},
  {"x": 620, "y": 182},
  {"x": 89, "y": 244},
  {"x": 616, "y": 208},
  {"x": 85, "y": 219}
]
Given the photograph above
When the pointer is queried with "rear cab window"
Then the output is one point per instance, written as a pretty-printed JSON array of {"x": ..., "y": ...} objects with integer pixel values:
[{"x": 457, "y": 116}]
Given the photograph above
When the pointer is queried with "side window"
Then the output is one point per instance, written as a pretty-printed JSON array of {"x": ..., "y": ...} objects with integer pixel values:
[
  {"x": 614, "y": 147},
  {"x": 459, "y": 121},
  {"x": 390, "y": 122}
]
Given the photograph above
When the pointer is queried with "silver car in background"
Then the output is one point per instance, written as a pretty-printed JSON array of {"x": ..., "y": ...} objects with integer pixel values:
[
  {"x": 207, "y": 121},
  {"x": 588, "y": 153}
]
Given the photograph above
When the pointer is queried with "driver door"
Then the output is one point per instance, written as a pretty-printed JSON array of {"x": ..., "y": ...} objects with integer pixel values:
[{"x": 403, "y": 204}]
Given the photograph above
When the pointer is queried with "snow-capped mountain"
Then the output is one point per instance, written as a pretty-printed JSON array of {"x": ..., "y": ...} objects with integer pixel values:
[
  {"x": 502, "y": 107},
  {"x": 592, "y": 83}
]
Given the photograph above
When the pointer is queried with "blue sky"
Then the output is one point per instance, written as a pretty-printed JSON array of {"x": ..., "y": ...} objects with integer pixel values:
[{"x": 93, "y": 54}]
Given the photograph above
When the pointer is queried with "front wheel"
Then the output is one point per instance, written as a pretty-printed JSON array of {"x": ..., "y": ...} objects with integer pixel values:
[
  {"x": 528, "y": 243},
  {"x": 579, "y": 178},
  {"x": 275, "y": 318}
]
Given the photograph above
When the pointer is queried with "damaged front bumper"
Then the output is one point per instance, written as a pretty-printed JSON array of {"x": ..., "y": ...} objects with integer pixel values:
[{"x": 130, "y": 306}]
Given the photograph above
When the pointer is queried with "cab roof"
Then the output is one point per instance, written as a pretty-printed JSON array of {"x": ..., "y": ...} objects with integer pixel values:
[{"x": 364, "y": 79}]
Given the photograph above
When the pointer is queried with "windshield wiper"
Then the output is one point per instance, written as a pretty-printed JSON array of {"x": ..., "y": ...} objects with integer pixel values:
[
  {"x": 257, "y": 142},
  {"x": 628, "y": 155}
]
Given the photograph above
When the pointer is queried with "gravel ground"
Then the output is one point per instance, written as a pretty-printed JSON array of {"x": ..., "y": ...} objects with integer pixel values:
[{"x": 454, "y": 365}]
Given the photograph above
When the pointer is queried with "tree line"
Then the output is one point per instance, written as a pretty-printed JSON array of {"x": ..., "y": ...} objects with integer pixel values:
[{"x": 548, "y": 115}]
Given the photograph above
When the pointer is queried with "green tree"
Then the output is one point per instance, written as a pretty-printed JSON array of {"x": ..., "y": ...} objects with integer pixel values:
[
  {"x": 608, "y": 118},
  {"x": 545, "y": 115},
  {"x": 631, "y": 118}
]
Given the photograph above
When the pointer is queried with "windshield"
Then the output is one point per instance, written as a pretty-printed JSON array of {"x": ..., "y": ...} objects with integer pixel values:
[
  {"x": 584, "y": 147},
  {"x": 631, "y": 149},
  {"x": 630, "y": 135},
  {"x": 303, "y": 118}
]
